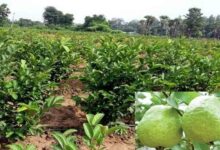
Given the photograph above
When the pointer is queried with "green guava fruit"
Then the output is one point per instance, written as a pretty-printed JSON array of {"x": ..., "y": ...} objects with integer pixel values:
[
  {"x": 160, "y": 126},
  {"x": 201, "y": 120}
]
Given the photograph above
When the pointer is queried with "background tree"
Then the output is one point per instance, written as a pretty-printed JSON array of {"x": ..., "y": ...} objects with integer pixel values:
[
  {"x": 4, "y": 12},
  {"x": 148, "y": 23},
  {"x": 117, "y": 23},
  {"x": 95, "y": 19},
  {"x": 67, "y": 19},
  {"x": 96, "y": 23},
  {"x": 24, "y": 22},
  {"x": 131, "y": 26},
  {"x": 52, "y": 16},
  {"x": 217, "y": 27},
  {"x": 176, "y": 27},
  {"x": 142, "y": 27},
  {"x": 194, "y": 22},
  {"x": 210, "y": 26},
  {"x": 164, "y": 23}
]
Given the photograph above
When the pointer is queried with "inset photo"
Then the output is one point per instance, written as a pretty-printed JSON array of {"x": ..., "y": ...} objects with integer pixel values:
[{"x": 177, "y": 121}]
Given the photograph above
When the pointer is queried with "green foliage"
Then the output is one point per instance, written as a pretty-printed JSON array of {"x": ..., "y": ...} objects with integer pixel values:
[
  {"x": 122, "y": 128},
  {"x": 65, "y": 141},
  {"x": 178, "y": 65},
  {"x": 21, "y": 147},
  {"x": 117, "y": 67},
  {"x": 95, "y": 132},
  {"x": 32, "y": 67},
  {"x": 109, "y": 76}
]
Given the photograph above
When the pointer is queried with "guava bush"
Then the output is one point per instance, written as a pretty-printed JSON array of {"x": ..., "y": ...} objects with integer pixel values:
[
  {"x": 179, "y": 101},
  {"x": 31, "y": 66}
]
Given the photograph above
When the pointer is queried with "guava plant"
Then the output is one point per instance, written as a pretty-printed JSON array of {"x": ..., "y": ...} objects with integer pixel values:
[
  {"x": 178, "y": 120},
  {"x": 31, "y": 67}
]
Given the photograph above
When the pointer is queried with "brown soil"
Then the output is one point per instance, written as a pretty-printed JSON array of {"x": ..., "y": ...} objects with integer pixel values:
[
  {"x": 68, "y": 115},
  {"x": 64, "y": 117},
  {"x": 115, "y": 142},
  {"x": 112, "y": 142}
]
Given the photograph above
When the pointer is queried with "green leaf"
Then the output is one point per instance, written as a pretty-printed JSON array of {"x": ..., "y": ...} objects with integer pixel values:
[
  {"x": 16, "y": 147},
  {"x": 66, "y": 48},
  {"x": 56, "y": 147},
  {"x": 88, "y": 130},
  {"x": 172, "y": 102},
  {"x": 97, "y": 118},
  {"x": 201, "y": 146},
  {"x": 113, "y": 129},
  {"x": 217, "y": 94},
  {"x": 23, "y": 64},
  {"x": 60, "y": 139},
  {"x": 53, "y": 101},
  {"x": 31, "y": 147},
  {"x": 70, "y": 146},
  {"x": 185, "y": 97},
  {"x": 9, "y": 134},
  {"x": 157, "y": 97},
  {"x": 97, "y": 131},
  {"x": 22, "y": 108},
  {"x": 14, "y": 95},
  {"x": 32, "y": 106},
  {"x": 90, "y": 118},
  {"x": 69, "y": 132}
]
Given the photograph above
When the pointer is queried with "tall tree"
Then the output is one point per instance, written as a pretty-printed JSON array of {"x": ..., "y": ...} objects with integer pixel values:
[
  {"x": 217, "y": 27},
  {"x": 194, "y": 22},
  {"x": 25, "y": 22},
  {"x": 117, "y": 23},
  {"x": 164, "y": 22},
  {"x": 142, "y": 27},
  {"x": 176, "y": 27},
  {"x": 131, "y": 26},
  {"x": 95, "y": 19},
  {"x": 96, "y": 23},
  {"x": 53, "y": 16},
  {"x": 67, "y": 19},
  {"x": 148, "y": 23},
  {"x": 4, "y": 12},
  {"x": 210, "y": 26}
]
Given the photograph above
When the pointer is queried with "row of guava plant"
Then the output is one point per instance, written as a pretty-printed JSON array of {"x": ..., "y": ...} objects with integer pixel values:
[
  {"x": 178, "y": 120},
  {"x": 31, "y": 67},
  {"x": 119, "y": 66}
]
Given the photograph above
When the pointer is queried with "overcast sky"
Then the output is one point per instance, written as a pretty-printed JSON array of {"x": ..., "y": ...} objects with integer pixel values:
[{"x": 126, "y": 9}]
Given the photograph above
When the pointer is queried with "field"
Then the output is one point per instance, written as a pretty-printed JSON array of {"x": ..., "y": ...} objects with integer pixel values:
[{"x": 50, "y": 80}]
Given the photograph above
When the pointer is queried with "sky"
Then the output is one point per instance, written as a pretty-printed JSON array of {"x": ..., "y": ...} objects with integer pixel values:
[{"x": 126, "y": 9}]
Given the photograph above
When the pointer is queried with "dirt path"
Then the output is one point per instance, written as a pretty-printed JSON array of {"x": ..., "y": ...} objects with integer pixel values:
[{"x": 112, "y": 142}]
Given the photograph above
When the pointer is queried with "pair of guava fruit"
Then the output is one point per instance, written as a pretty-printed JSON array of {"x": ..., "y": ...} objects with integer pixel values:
[{"x": 163, "y": 126}]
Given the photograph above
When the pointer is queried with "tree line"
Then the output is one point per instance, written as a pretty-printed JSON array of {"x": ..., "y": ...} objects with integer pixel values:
[{"x": 194, "y": 24}]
